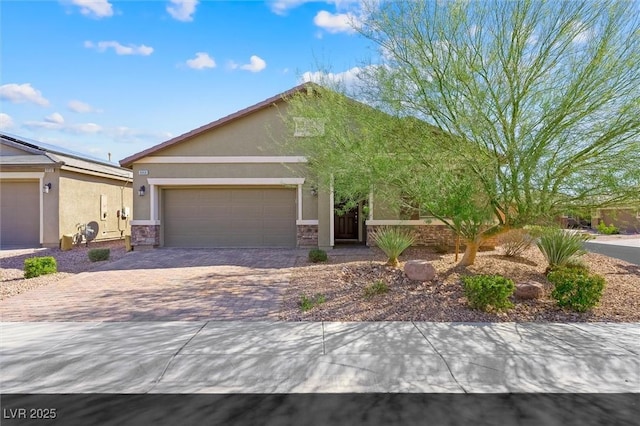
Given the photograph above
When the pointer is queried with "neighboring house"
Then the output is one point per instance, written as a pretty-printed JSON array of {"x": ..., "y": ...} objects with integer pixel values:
[
  {"x": 228, "y": 184},
  {"x": 627, "y": 220},
  {"x": 47, "y": 192}
]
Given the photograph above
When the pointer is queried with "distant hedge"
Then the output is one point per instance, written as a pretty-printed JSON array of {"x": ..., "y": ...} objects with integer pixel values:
[{"x": 96, "y": 255}]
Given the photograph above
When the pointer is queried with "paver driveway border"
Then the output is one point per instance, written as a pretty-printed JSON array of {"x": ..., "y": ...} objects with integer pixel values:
[{"x": 165, "y": 284}]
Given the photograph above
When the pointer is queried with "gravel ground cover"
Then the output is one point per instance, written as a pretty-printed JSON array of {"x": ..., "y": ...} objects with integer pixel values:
[
  {"x": 343, "y": 279},
  {"x": 69, "y": 262}
]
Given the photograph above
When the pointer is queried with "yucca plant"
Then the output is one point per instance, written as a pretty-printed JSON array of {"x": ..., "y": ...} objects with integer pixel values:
[
  {"x": 561, "y": 248},
  {"x": 392, "y": 241}
]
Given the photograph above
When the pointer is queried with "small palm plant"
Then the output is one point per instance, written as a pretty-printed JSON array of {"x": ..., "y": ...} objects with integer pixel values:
[
  {"x": 392, "y": 241},
  {"x": 561, "y": 248}
]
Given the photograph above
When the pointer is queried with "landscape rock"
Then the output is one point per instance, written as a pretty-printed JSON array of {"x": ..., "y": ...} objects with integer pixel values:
[
  {"x": 529, "y": 290},
  {"x": 419, "y": 270}
]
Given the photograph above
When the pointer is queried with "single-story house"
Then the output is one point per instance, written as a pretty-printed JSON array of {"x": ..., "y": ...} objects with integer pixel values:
[
  {"x": 627, "y": 220},
  {"x": 47, "y": 192},
  {"x": 228, "y": 184}
]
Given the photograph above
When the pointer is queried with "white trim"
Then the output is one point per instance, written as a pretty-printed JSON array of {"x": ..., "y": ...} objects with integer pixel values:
[
  {"x": 21, "y": 175},
  {"x": 144, "y": 222},
  {"x": 331, "y": 215},
  {"x": 224, "y": 181},
  {"x": 370, "y": 205},
  {"x": 40, "y": 190},
  {"x": 153, "y": 202},
  {"x": 404, "y": 222},
  {"x": 307, "y": 222},
  {"x": 221, "y": 159},
  {"x": 299, "y": 203}
]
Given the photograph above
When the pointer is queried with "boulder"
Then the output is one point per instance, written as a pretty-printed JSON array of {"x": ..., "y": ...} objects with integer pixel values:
[
  {"x": 529, "y": 290},
  {"x": 419, "y": 270}
]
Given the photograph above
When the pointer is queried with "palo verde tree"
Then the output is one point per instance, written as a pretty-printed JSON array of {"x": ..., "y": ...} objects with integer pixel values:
[{"x": 491, "y": 115}]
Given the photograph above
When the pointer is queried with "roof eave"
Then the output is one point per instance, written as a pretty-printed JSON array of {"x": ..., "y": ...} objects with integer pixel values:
[{"x": 128, "y": 162}]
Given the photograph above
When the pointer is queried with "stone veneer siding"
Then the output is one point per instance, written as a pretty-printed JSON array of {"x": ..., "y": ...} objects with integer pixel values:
[
  {"x": 145, "y": 235},
  {"x": 307, "y": 235},
  {"x": 433, "y": 236}
]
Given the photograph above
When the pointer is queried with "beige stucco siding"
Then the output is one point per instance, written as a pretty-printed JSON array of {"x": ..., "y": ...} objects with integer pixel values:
[
  {"x": 187, "y": 170},
  {"x": 254, "y": 134},
  {"x": 625, "y": 219},
  {"x": 215, "y": 171},
  {"x": 80, "y": 202}
]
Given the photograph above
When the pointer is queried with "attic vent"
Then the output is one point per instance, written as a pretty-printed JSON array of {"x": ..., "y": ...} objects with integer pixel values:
[{"x": 308, "y": 127}]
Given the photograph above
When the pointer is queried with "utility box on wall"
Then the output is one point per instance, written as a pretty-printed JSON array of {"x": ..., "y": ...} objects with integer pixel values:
[{"x": 103, "y": 207}]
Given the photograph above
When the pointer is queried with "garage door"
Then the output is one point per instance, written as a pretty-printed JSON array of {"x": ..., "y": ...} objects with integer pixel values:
[
  {"x": 19, "y": 214},
  {"x": 237, "y": 217}
]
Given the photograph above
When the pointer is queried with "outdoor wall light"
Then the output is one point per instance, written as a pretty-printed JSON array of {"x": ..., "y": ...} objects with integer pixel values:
[
  {"x": 141, "y": 191},
  {"x": 314, "y": 190},
  {"x": 46, "y": 188}
]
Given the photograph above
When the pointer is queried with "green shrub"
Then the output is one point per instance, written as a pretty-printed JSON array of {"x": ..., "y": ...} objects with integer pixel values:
[
  {"x": 36, "y": 266},
  {"x": 317, "y": 255},
  {"x": 96, "y": 255},
  {"x": 307, "y": 303},
  {"x": 560, "y": 247},
  {"x": 485, "y": 291},
  {"x": 378, "y": 287},
  {"x": 515, "y": 241},
  {"x": 392, "y": 241},
  {"x": 607, "y": 230},
  {"x": 576, "y": 289}
]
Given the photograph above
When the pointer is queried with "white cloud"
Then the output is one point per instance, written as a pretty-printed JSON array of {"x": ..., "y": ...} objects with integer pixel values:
[
  {"x": 85, "y": 128},
  {"x": 582, "y": 34},
  {"x": 336, "y": 22},
  {"x": 56, "y": 118},
  {"x": 42, "y": 125},
  {"x": 201, "y": 61},
  {"x": 55, "y": 121},
  {"x": 281, "y": 7},
  {"x": 182, "y": 10},
  {"x": 80, "y": 107},
  {"x": 256, "y": 64},
  {"x": 94, "y": 8},
  {"x": 348, "y": 77},
  {"x": 22, "y": 93},
  {"x": 120, "y": 49},
  {"x": 6, "y": 122}
]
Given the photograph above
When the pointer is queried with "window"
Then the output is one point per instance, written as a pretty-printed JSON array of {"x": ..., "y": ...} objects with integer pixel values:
[{"x": 308, "y": 127}]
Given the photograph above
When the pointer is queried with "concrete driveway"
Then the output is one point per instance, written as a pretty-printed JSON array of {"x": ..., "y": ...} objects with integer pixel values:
[{"x": 164, "y": 285}]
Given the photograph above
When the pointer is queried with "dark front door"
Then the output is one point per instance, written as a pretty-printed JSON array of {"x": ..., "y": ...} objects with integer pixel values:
[{"x": 346, "y": 225}]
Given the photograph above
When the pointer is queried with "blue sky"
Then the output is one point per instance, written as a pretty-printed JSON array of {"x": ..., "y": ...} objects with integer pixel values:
[{"x": 103, "y": 76}]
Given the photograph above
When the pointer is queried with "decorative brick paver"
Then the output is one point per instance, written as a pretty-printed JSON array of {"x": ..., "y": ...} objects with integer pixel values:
[{"x": 165, "y": 285}]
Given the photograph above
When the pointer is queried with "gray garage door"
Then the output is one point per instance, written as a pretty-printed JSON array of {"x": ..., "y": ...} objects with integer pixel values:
[
  {"x": 230, "y": 217},
  {"x": 19, "y": 214}
]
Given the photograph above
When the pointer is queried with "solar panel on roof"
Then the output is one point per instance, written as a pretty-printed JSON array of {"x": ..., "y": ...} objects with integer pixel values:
[{"x": 54, "y": 149}]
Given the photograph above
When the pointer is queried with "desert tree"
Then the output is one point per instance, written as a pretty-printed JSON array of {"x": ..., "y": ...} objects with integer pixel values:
[{"x": 490, "y": 115}]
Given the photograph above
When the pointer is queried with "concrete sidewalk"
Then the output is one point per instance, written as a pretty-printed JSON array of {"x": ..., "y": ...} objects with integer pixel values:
[{"x": 330, "y": 357}]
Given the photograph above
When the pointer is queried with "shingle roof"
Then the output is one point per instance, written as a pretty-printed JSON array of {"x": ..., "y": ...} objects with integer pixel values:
[{"x": 128, "y": 162}]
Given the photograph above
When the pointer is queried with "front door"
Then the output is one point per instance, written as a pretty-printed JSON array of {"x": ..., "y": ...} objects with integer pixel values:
[{"x": 346, "y": 225}]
